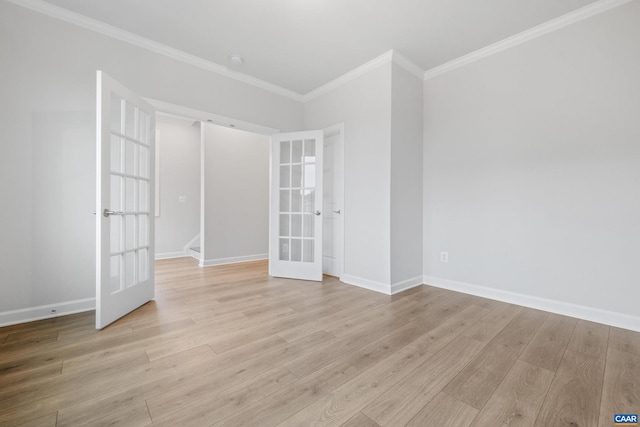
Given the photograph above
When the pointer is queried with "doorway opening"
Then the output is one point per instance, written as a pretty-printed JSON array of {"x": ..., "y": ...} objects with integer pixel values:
[{"x": 241, "y": 182}]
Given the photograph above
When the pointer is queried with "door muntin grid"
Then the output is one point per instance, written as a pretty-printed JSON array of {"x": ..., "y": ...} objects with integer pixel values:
[
  {"x": 129, "y": 195},
  {"x": 297, "y": 192}
]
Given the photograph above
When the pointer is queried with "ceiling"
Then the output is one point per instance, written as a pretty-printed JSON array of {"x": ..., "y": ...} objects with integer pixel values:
[{"x": 303, "y": 44}]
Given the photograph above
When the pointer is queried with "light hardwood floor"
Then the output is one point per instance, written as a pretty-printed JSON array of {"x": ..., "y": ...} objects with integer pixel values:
[{"x": 230, "y": 346}]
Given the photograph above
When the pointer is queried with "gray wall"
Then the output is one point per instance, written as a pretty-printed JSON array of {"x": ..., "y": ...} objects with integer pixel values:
[
  {"x": 531, "y": 167},
  {"x": 406, "y": 177},
  {"x": 364, "y": 105},
  {"x": 47, "y": 156},
  {"x": 236, "y": 195},
  {"x": 179, "y": 170}
]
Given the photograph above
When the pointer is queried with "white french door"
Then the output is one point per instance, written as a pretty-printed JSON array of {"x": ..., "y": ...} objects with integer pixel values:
[
  {"x": 295, "y": 217},
  {"x": 125, "y": 199}
]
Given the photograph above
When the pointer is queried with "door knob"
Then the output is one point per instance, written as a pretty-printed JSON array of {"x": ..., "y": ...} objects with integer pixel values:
[
  {"x": 108, "y": 212},
  {"x": 338, "y": 211},
  {"x": 316, "y": 213}
]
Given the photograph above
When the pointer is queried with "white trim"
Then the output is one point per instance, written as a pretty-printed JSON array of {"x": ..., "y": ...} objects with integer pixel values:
[
  {"x": 366, "y": 284},
  {"x": 578, "y": 311},
  {"x": 329, "y": 132},
  {"x": 185, "y": 112},
  {"x": 30, "y": 314},
  {"x": 530, "y": 34},
  {"x": 406, "y": 284},
  {"x": 407, "y": 64},
  {"x": 170, "y": 255},
  {"x": 383, "y": 59},
  {"x": 390, "y": 56},
  {"x": 233, "y": 260},
  {"x": 153, "y": 46},
  {"x": 156, "y": 203}
]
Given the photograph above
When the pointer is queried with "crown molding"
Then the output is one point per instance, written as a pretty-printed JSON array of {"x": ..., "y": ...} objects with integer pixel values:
[
  {"x": 408, "y": 64},
  {"x": 530, "y": 34},
  {"x": 91, "y": 24},
  {"x": 385, "y": 58}
]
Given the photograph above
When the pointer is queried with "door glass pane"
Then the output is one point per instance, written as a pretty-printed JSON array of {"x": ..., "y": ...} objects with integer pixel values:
[
  {"x": 296, "y": 201},
  {"x": 143, "y": 126},
  {"x": 116, "y": 113},
  {"x": 296, "y": 225},
  {"x": 284, "y": 225},
  {"x": 130, "y": 120},
  {"x": 115, "y": 229},
  {"x": 309, "y": 204},
  {"x": 130, "y": 158},
  {"x": 143, "y": 230},
  {"x": 116, "y": 154},
  {"x": 129, "y": 269},
  {"x": 284, "y": 201},
  {"x": 130, "y": 232},
  {"x": 296, "y": 176},
  {"x": 115, "y": 200},
  {"x": 285, "y": 152},
  {"x": 296, "y": 151},
  {"x": 296, "y": 250},
  {"x": 130, "y": 195},
  {"x": 143, "y": 196},
  {"x": 307, "y": 250},
  {"x": 143, "y": 264},
  {"x": 310, "y": 175},
  {"x": 310, "y": 150},
  {"x": 285, "y": 176},
  {"x": 143, "y": 154},
  {"x": 114, "y": 273},
  {"x": 309, "y": 225},
  {"x": 283, "y": 249}
]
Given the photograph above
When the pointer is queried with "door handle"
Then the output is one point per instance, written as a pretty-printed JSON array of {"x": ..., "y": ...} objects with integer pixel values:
[
  {"x": 108, "y": 212},
  {"x": 338, "y": 211},
  {"x": 316, "y": 213}
]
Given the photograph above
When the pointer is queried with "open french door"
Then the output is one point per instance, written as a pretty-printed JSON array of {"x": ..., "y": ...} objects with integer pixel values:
[
  {"x": 125, "y": 193},
  {"x": 295, "y": 217}
]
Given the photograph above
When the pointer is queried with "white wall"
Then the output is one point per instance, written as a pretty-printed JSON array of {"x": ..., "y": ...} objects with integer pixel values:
[
  {"x": 406, "y": 178},
  {"x": 532, "y": 173},
  {"x": 236, "y": 195},
  {"x": 179, "y": 169},
  {"x": 364, "y": 105},
  {"x": 47, "y": 88}
]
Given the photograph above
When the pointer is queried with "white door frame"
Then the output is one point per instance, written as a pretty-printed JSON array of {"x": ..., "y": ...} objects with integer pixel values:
[{"x": 338, "y": 130}]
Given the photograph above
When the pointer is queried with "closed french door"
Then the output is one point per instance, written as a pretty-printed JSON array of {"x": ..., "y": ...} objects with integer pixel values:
[
  {"x": 295, "y": 218},
  {"x": 125, "y": 197}
]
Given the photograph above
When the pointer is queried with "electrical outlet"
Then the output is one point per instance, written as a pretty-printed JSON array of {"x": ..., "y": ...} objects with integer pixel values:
[
  {"x": 444, "y": 256},
  {"x": 182, "y": 199}
]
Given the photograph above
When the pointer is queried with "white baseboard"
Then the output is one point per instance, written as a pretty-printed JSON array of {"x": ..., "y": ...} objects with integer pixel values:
[
  {"x": 382, "y": 287},
  {"x": 366, "y": 284},
  {"x": 232, "y": 260},
  {"x": 44, "y": 311},
  {"x": 606, "y": 317},
  {"x": 406, "y": 284},
  {"x": 170, "y": 255}
]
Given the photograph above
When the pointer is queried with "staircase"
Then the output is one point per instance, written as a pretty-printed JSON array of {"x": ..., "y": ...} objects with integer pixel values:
[{"x": 195, "y": 252}]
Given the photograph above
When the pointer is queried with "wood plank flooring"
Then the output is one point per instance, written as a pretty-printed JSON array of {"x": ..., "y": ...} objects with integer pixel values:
[{"x": 231, "y": 346}]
